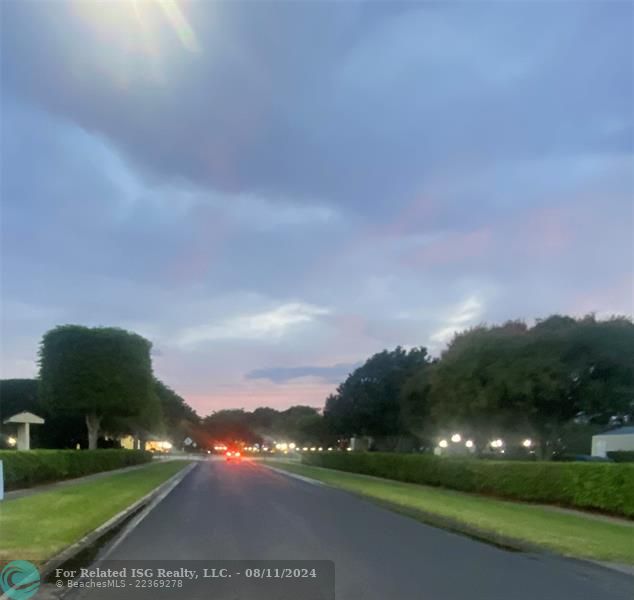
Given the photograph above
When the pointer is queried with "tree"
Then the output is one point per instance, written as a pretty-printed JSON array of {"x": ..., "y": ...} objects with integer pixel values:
[
  {"x": 17, "y": 395},
  {"x": 510, "y": 378},
  {"x": 369, "y": 402},
  {"x": 59, "y": 431},
  {"x": 231, "y": 426},
  {"x": 179, "y": 419},
  {"x": 99, "y": 372}
]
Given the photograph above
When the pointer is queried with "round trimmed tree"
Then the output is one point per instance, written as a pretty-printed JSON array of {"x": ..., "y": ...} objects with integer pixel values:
[{"x": 97, "y": 372}]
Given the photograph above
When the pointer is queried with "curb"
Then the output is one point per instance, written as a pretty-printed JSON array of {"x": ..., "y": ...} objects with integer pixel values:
[
  {"x": 69, "y": 552},
  {"x": 459, "y": 528},
  {"x": 295, "y": 475},
  {"x": 159, "y": 496}
]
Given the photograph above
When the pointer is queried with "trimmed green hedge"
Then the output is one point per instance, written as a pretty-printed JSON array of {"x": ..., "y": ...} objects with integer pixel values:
[
  {"x": 622, "y": 455},
  {"x": 599, "y": 486},
  {"x": 34, "y": 467}
]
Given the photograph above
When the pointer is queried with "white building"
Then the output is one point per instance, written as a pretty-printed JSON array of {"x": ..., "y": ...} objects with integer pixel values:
[{"x": 621, "y": 438}]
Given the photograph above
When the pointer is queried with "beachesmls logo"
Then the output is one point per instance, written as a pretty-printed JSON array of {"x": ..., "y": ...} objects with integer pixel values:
[{"x": 20, "y": 580}]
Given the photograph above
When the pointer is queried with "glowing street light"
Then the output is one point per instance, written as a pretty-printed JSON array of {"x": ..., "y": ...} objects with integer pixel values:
[
  {"x": 12, "y": 441},
  {"x": 456, "y": 437},
  {"x": 292, "y": 445},
  {"x": 497, "y": 443},
  {"x": 443, "y": 443},
  {"x": 469, "y": 443},
  {"x": 527, "y": 443}
]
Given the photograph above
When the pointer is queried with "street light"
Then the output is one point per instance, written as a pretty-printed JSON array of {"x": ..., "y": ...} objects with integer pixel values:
[
  {"x": 12, "y": 441},
  {"x": 527, "y": 443},
  {"x": 443, "y": 443},
  {"x": 469, "y": 444}
]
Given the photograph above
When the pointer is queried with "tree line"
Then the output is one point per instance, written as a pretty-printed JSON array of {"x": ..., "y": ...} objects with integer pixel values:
[
  {"x": 556, "y": 382},
  {"x": 540, "y": 381}
]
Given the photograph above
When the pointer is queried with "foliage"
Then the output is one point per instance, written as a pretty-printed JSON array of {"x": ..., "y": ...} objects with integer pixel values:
[
  {"x": 513, "y": 378},
  {"x": 369, "y": 401},
  {"x": 25, "y": 469},
  {"x": 621, "y": 456},
  {"x": 302, "y": 424},
  {"x": 58, "y": 431},
  {"x": 17, "y": 395},
  {"x": 179, "y": 419},
  {"x": 605, "y": 487},
  {"x": 230, "y": 426},
  {"x": 98, "y": 372}
]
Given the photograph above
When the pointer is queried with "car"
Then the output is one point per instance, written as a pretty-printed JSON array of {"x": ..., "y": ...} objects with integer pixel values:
[{"x": 233, "y": 455}]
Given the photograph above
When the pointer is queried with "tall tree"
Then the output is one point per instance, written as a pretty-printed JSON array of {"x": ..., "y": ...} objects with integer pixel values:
[
  {"x": 511, "y": 378},
  {"x": 179, "y": 418},
  {"x": 368, "y": 402},
  {"x": 96, "y": 372}
]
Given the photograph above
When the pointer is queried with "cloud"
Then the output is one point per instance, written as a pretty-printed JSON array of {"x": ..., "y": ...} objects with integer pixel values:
[
  {"x": 367, "y": 105},
  {"x": 334, "y": 374},
  {"x": 459, "y": 318},
  {"x": 273, "y": 323},
  {"x": 306, "y": 183}
]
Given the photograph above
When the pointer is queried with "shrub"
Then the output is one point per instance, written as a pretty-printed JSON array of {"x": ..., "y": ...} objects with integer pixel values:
[
  {"x": 622, "y": 455},
  {"x": 599, "y": 486},
  {"x": 34, "y": 467}
]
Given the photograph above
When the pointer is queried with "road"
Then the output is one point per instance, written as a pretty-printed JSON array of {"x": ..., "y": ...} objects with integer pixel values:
[{"x": 246, "y": 511}]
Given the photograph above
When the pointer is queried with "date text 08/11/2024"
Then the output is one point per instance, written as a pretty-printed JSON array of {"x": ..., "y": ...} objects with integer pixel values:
[{"x": 180, "y": 573}]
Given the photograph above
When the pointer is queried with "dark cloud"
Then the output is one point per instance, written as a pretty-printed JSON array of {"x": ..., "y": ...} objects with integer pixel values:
[{"x": 344, "y": 102}]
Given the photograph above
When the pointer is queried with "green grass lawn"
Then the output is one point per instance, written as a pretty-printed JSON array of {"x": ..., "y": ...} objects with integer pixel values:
[
  {"x": 495, "y": 520},
  {"x": 39, "y": 526}
]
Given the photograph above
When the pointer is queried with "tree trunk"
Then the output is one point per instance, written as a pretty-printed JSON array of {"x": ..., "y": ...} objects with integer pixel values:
[{"x": 92, "y": 423}]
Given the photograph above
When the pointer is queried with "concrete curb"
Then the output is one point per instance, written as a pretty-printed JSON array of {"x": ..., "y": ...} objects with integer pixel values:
[
  {"x": 294, "y": 475},
  {"x": 160, "y": 495},
  {"x": 460, "y": 528},
  {"x": 68, "y": 553}
]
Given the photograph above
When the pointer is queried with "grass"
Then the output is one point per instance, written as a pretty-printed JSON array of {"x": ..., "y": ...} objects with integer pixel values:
[
  {"x": 513, "y": 524},
  {"x": 39, "y": 526}
]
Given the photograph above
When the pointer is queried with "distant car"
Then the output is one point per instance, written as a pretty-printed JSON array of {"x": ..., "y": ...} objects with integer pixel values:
[{"x": 233, "y": 455}]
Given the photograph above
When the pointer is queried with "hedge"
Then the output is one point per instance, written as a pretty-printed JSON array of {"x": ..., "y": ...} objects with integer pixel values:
[
  {"x": 622, "y": 455},
  {"x": 34, "y": 467},
  {"x": 598, "y": 486}
]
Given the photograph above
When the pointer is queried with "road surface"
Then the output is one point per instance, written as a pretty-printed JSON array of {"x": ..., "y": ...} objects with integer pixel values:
[{"x": 246, "y": 511}]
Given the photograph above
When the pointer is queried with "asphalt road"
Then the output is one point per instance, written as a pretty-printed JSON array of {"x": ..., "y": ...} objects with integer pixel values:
[{"x": 246, "y": 511}]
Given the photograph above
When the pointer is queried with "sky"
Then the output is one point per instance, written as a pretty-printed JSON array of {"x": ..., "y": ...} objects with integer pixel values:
[{"x": 273, "y": 191}]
